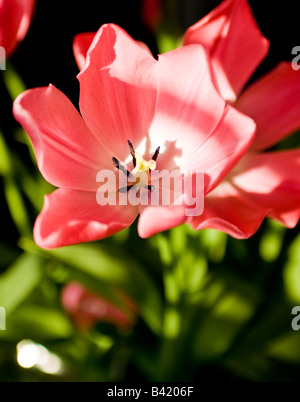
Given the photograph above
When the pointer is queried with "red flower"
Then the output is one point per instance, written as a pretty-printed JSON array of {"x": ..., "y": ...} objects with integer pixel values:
[
  {"x": 151, "y": 13},
  {"x": 125, "y": 94},
  {"x": 87, "y": 308},
  {"x": 263, "y": 184},
  {"x": 15, "y": 18}
]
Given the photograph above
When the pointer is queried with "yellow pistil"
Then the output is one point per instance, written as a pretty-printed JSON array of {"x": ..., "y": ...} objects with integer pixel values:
[
  {"x": 141, "y": 171},
  {"x": 140, "y": 175},
  {"x": 142, "y": 165}
]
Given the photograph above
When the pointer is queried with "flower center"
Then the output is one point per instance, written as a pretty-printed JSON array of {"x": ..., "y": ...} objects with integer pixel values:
[{"x": 141, "y": 166}]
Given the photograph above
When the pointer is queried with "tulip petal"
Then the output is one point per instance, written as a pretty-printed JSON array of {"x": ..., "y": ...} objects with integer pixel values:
[
  {"x": 222, "y": 150},
  {"x": 70, "y": 217},
  {"x": 188, "y": 107},
  {"x": 263, "y": 185},
  {"x": 81, "y": 44},
  {"x": 155, "y": 219},
  {"x": 192, "y": 124},
  {"x": 235, "y": 43},
  {"x": 274, "y": 103},
  {"x": 271, "y": 181},
  {"x": 28, "y": 9},
  {"x": 15, "y": 18},
  {"x": 67, "y": 153},
  {"x": 173, "y": 201},
  {"x": 227, "y": 210},
  {"x": 117, "y": 90}
]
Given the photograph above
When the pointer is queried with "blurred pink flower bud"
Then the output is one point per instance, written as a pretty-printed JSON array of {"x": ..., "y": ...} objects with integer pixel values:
[{"x": 87, "y": 308}]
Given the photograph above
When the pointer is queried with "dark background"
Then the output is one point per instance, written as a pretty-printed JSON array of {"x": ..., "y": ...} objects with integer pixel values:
[{"x": 46, "y": 54}]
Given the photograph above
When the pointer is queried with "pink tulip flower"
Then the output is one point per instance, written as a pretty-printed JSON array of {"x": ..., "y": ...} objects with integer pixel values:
[
  {"x": 264, "y": 183},
  {"x": 147, "y": 113},
  {"x": 15, "y": 18}
]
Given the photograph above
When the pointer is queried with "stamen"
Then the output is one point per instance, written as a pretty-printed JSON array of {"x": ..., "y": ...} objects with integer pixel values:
[
  {"x": 132, "y": 153},
  {"x": 150, "y": 187},
  {"x": 140, "y": 165},
  {"x": 126, "y": 189},
  {"x": 156, "y": 153},
  {"x": 120, "y": 167}
]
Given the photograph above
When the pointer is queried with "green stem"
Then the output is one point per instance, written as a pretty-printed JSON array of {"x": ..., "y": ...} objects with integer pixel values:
[
  {"x": 169, "y": 34},
  {"x": 171, "y": 327},
  {"x": 13, "y": 81}
]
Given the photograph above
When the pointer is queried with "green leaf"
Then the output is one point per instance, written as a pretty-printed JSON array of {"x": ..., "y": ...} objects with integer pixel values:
[
  {"x": 38, "y": 323},
  {"x": 5, "y": 163},
  {"x": 286, "y": 347},
  {"x": 215, "y": 243},
  {"x": 166, "y": 41},
  {"x": 17, "y": 207},
  {"x": 220, "y": 324},
  {"x": 271, "y": 242},
  {"x": 8, "y": 254},
  {"x": 12, "y": 193},
  {"x": 31, "y": 186},
  {"x": 109, "y": 266},
  {"x": 291, "y": 272},
  {"x": 19, "y": 280},
  {"x": 13, "y": 82}
]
